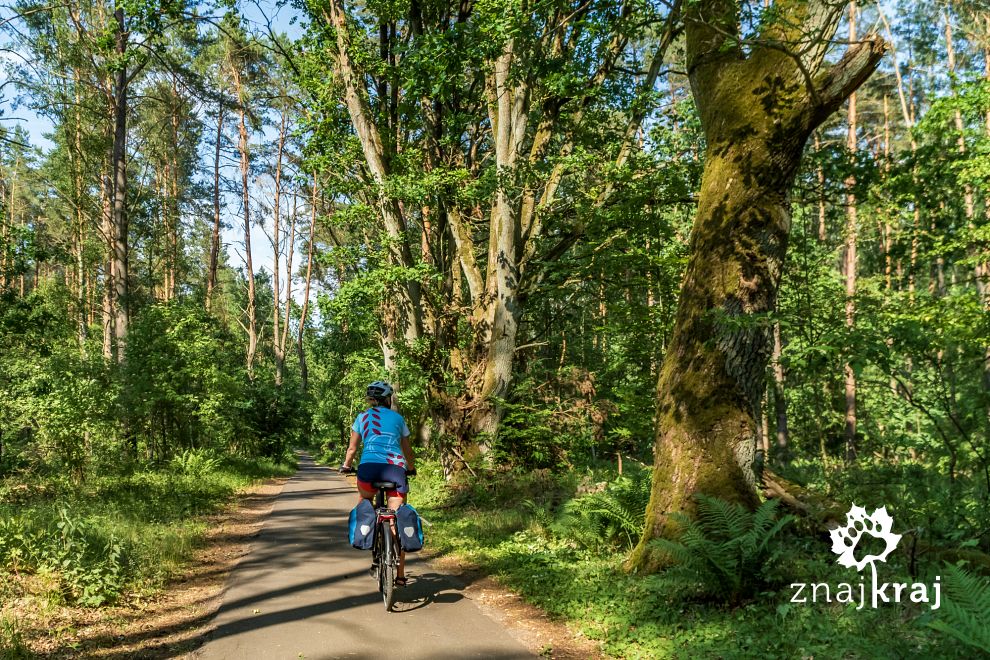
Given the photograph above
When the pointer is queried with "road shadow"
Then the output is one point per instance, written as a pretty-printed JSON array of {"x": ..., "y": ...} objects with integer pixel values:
[{"x": 425, "y": 590}]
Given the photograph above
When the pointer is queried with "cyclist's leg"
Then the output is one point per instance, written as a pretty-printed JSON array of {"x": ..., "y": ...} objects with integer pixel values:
[{"x": 394, "y": 502}]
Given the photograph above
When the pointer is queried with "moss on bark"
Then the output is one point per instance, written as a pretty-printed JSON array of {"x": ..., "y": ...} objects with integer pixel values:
[{"x": 757, "y": 110}]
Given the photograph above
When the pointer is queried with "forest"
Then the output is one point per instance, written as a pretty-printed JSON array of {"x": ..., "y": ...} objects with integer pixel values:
[{"x": 664, "y": 287}]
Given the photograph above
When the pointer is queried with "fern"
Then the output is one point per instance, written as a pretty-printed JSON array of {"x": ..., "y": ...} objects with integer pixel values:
[
  {"x": 726, "y": 551},
  {"x": 613, "y": 517},
  {"x": 966, "y": 609}
]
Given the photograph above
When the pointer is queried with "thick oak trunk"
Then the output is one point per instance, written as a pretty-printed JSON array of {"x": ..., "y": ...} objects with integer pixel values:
[{"x": 757, "y": 111}]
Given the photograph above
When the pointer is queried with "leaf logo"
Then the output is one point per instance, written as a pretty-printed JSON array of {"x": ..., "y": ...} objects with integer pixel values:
[{"x": 845, "y": 539}]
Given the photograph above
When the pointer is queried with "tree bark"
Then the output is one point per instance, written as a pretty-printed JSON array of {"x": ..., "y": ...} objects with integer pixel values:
[
  {"x": 757, "y": 110},
  {"x": 108, "y": 272},
  {"x": 410, "y": 314},
  {"x": 779, "y": 400},
  {"x": 80, "y": 234},
  {"x": 119, "y": 163},
  {"x": 850, "y": 261},
  {"x": 211, "y": 272},
  {"x": 288, "y": 278},
  {"x": 174, "y": 207},
  {"x": 303, "y": 369},
  {"x": 277, "y": 343},
  {"x": 242, "y": 147}
]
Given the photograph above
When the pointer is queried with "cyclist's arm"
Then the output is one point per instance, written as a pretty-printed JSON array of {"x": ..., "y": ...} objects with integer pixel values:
[
  {"x": 351, "y": 449},
  {"x": 407, "y": 451}
]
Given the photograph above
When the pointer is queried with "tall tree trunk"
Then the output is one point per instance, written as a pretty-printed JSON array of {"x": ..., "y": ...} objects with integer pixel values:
[
  {"x": 211, "y": 272},
  {"x": 757, "y": 110},
  {"x": 108, "y": 272},
  {"x": 303, "y": 370},
  {"x": 242, "y": 146},
  {"x": 822, "y": 215},
  {"x": 4, "y": 236},
  {"x": 80, "y": 234},
  {"x": 983, "y": 276},
  {"x": 850, "y": 258},
  {"x": 118, "y": 159},
  {"x": 277, "y": 344},
  {"x": 288, "y": 278},
  {"x": 779, "y": 400},
  {"x": 174, "y": 205},
  {"x": 409, "y": 308}
]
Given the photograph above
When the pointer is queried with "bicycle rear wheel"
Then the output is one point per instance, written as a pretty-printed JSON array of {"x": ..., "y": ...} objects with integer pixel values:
[{"x": 387, "y": 565}]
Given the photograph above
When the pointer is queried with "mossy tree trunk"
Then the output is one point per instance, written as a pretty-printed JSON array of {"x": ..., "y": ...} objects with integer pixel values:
[{"x": 759, "y": 99}]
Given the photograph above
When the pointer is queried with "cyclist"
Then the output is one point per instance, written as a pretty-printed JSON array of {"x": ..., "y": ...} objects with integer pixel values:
[{"x": 387, "y": 454}]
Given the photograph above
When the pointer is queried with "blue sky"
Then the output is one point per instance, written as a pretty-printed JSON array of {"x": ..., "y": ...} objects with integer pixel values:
[{"x": 282, "y": 17}]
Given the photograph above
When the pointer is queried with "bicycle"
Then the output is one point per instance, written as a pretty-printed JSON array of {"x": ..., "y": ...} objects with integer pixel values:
[{"x": 386, "y": 550}]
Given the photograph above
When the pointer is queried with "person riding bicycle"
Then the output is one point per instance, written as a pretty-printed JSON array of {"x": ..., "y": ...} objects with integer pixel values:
[{"x": 387, "y": 454}]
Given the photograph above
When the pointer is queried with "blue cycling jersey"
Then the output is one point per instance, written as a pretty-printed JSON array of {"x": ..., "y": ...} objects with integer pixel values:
[{"x": 381, "y": 430}]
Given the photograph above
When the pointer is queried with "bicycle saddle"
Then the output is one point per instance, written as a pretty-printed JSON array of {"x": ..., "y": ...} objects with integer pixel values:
[{"x": 387, "y": 485}]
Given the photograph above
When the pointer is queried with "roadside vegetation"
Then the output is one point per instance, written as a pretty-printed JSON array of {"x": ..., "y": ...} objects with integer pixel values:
[
  {"x": 116, "y": 539},
  {"x": 561, "y": 540}
]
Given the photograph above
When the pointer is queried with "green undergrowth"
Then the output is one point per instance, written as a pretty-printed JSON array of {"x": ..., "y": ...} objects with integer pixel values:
[
  {"x": 113, "y": 535},
  {"x": 521, "y": 528}
]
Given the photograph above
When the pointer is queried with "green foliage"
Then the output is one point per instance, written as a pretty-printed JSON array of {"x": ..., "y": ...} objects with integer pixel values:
[
  {"x": 965, "y": 611},
  {"x": 118, "y": 533},
  {"x": 184, "y": 378},
  {"x": 87, "y": 562},
  {"x": 726, "y": 551},
  {"x": 609, "y": 519},
  {"x": 636, "y": 616},
  {"x": 12, "y": 645},
  {"x": 195, "y": 462}
]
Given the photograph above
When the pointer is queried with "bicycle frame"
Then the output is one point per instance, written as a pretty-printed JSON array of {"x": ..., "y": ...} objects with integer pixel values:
[{"x": 385, "y": 552}]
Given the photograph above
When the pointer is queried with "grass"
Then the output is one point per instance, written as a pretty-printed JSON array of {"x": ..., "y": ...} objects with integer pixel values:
[
  {"x": 116, "y": 535},
  {"x": 506, "y": 529}
]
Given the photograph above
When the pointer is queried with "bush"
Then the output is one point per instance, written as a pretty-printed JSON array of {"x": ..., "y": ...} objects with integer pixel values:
[{"x": 89, "y": 564}]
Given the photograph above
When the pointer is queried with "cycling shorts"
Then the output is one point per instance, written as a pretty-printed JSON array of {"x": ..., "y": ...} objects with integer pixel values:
[{"x": 370, "y": 472}]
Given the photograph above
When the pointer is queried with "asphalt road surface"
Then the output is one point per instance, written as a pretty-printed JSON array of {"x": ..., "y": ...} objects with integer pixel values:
[{"x": 304, "y": 592}]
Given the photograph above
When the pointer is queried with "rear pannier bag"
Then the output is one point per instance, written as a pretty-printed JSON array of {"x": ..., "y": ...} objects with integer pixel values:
[
  {"x": 361, "y": 526},
  {"x": 410, "y": 528}
]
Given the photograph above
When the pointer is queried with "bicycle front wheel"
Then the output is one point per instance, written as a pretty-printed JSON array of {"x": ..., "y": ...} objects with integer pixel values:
[{"x": 386, "y": 570}]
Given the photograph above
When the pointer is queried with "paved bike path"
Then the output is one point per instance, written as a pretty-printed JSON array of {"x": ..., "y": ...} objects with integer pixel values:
[{"x": 303, "y": 592}]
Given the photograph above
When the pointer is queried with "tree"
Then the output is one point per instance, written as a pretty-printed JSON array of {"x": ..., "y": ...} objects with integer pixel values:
[
  {"x": 499, "y": 100},
  {"x": 759, "y": 96}
]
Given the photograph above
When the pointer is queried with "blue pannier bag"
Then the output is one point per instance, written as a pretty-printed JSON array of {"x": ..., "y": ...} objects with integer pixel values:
[
  {"x": 410, "y": 528},
  {"x": 361, "y": 526}
]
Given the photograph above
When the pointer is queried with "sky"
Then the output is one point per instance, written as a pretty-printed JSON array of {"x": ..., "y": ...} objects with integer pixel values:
[{"x": 282, "y": 17}]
